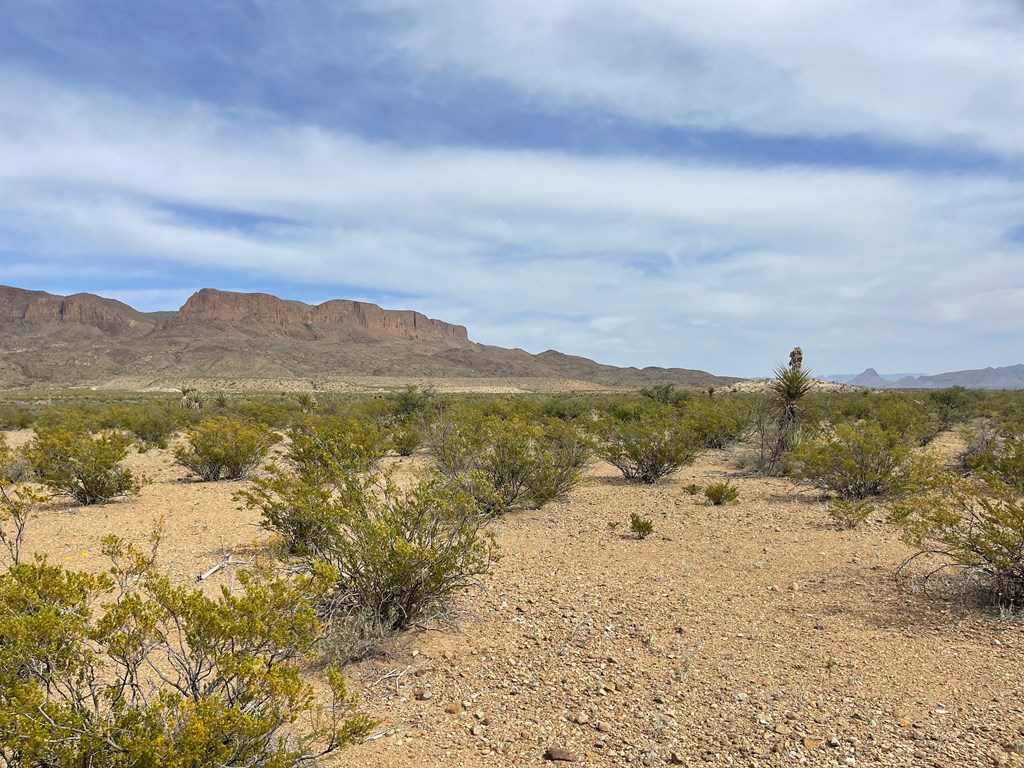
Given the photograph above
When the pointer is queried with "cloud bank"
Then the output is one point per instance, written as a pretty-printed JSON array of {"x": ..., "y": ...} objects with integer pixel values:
[{"x": 860, "y": 193}]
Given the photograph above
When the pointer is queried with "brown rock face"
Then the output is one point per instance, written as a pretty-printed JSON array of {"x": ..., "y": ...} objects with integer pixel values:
[
  {"x": 38, "y": 307},
  {"x": 260, "y": 314}
]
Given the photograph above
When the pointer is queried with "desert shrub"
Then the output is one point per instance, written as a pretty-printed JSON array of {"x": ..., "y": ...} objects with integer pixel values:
[
  {"x": 400, "y": 554},
  {"x": 667, "y": 394},
  {"x": 847, "y": 514},
  {"x": 152, "y": 426},
  {"x": 86, "y": 468},
  {"x": 1000, "y": 454},
  {"x": 898, "y": 413},
  {"x": 858, "y": 461},
  {"x": 953, "y": 405},
  {"x": 647, "y": 451},
  {"x": 509, "y": 463},
  {"x": 564, "y": 407},
  {"x": 693, "y": 489},
  {"x": 78, "y": 651},
  {"x": 306, "y": 401},
  {"x": 16, "y": 501},
  {"x": 973, "y": 524},
  {"x": 561, "y": 454},
  {"x": 720, "y": 493},
  {"x": 405, "y": 438},
  {"x": 718, "y": 422},
  {"x": 326, "y": 448},
  {"x": 642, "y": 527},
  {"x": 14, "y": 416},
  {"x": 224, "y": 448}
]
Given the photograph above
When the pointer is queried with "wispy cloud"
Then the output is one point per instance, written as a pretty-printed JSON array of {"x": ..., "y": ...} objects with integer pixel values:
[{"x": 630, "y": 257}]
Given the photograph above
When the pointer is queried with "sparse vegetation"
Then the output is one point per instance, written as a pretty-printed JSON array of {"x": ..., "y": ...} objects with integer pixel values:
[
  {"x": 223, "y": 448},
  {"x": 847, "y": 514},
  {"x": 720, "y": 493},
  {"x": 641, "y": 526},
  {"x": 975, "y": 525},
  {"x": 648, "y": 451},
  {"x": 87, "y": 468},
  {"x": 76, "y": 682},
  {"x": 859, "y": 461}
]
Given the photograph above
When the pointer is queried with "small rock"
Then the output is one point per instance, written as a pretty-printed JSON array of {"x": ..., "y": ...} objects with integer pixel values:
[
  {"x": 477, "y": 730},
  {"x": 811, "y": 744},
  {"x": 454, "y": 708},
  {"x": 603, "y": 727},
  {"x": 557, "y": 754},
  {"x": 677, "y": 758}
]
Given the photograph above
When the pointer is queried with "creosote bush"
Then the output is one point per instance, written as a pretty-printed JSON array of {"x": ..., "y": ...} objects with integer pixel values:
[
  {"x": 508, "y": 463},
  {"x": 973, "y": 524},
  {"x": 847, "y": 514},
  {"x": 720, "y": 493},
  {"x": 649, "y": 450},
  {"x": 399, "y": 553},
  {"x": 222, "y": 448},
  {"x": 859, "y": 461},
  {"x": 86, "y": 468},
  {"x": 127, "y": 670},
  {"x": 642, "y": 527}
]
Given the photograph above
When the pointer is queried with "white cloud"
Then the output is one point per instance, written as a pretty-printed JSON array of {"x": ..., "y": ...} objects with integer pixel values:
[
  {"x": 933, "y": 71},
  {"x": 751, "y": 260}
]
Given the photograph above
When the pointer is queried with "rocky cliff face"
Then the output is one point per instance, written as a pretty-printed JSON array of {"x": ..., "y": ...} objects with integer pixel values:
[
  {"x": 40, "y": 308},
  {"x": 260, "y": 314}
]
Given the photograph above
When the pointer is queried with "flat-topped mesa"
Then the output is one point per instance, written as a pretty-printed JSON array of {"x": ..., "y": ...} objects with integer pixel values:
[
  {"x": 38, "y": 307},
  {"x": 258, "y": 314}
]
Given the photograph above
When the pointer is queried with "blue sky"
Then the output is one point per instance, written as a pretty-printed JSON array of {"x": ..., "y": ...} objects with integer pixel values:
[{"x": 674, "y": 183}]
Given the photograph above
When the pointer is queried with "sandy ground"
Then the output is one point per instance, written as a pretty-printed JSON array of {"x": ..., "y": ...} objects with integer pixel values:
[{"x": 753, "y": 634}]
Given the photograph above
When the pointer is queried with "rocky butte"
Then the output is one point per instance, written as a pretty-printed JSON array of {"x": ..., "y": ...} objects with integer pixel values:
[{"x": 256, "y": 337}]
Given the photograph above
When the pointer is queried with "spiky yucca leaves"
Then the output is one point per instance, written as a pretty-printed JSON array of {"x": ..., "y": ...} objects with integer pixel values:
[{"x": 789, "y": 387}]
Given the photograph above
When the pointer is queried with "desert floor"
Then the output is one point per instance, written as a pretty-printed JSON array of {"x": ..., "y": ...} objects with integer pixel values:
[{"x": 750, "y": 634}]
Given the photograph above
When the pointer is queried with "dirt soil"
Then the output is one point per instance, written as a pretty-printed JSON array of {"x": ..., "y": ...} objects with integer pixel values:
[{"x": 753, "y": 634}]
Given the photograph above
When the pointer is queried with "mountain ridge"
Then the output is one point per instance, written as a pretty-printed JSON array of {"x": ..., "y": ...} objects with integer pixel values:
[{"x": 84, "y": 339}]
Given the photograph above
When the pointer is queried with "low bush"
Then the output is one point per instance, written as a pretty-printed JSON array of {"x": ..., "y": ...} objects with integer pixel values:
[
  {"x": 642, "y": 527},
  {"x": 400, "y": 554},
  {"x": 973, "y": 524},
  {"x": 405, "y": 438},
  {"x": 720, "y": 493},
  {"x": 329, "y": 449},
  {"x": 509, "y": 463},
  {"x": 86, "y": 468},
  {"x": 222, "y": 448},
  {"x": 76, "y": 670},
  {"x": 648, "y": 451},
  {"x": 152, "y": 426},
  {"x": 859, "y": 461},
  {"x": 717, "y": 422},
  {"x": 847, "y": 514}
]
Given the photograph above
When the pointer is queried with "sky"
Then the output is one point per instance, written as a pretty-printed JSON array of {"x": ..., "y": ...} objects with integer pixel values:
[{"x": 642, "y": 182}]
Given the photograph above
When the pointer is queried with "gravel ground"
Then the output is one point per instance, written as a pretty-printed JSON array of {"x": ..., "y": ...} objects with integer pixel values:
[{"x": 753, "y": 634}]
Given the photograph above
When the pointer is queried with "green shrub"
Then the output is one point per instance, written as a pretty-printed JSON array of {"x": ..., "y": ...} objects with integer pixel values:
[
  {"x": 847, "y": 514},
  {"x": 721, "y": 493},
  {"x": 224, "y": 448},
  {"x": 509, "y": 463},
  {"x": 326, "y": 448},
  {"x": 152, "y": 426},
  {"x": 898, "y": 413},
  {"x": 973, "y": 524},
  {"x": 717, "y": 423},
  {"x": 641, "y": 526},
  {"x": 1000, "y": 454},
  {"x": 405, "y": 438},
  {"x": 76, "y": 670},
  {"x": 667, "y": 394},
  {"x": 648, "y": 451},
  {"x": 87, "y": 468},
  {"x": 693, "y": 489},
  {"x": 15, "y": 416},
  {"x": 400, "y": 554},
  {"x": 859, "y": 461}
]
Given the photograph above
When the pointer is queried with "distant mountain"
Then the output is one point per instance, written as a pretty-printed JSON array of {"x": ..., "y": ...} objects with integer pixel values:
[
  {"x": 88, "y": 340},
  {"x": 847, "y": 378},
  {"x": 1008, "y": 377}
]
